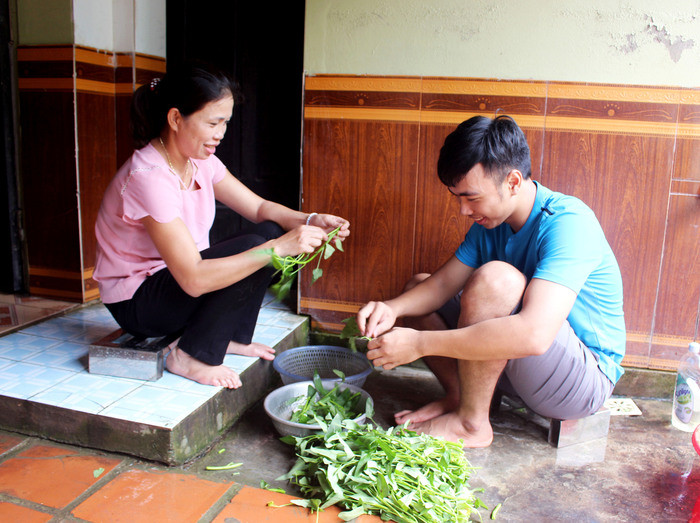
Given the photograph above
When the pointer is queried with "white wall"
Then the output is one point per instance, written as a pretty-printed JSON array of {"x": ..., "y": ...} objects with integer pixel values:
[
  {"x": 123, "y": 25},
  {"x": 111, "y": 25},
  {"x": 149, "y": 29},
  {"x": 648, "y": 42},
  {"x": 93, "y": 22}
]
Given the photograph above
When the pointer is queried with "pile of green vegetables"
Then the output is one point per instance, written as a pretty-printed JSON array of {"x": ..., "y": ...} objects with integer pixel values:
[
  {"x": 396, "y": 474},
  {"x": 287, "y": 267},
  {"x": 321, "y": 405}
]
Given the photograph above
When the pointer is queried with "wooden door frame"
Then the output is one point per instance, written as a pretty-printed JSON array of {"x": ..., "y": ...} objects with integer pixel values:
[{"x": 13, "y": 249}]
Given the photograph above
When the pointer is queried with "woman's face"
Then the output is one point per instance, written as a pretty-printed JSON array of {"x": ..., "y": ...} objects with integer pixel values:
[{"x": 198, "y": 134}]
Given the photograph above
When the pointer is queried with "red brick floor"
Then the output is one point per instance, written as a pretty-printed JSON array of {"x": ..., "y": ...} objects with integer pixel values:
[{"x": 42, "y": 481}]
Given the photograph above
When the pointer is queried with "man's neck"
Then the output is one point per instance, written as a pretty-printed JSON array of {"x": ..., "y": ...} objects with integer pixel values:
[{"x": 523, "y": 206}]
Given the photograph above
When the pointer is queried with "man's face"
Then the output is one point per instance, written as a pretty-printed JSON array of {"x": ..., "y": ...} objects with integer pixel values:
[{"x": 481, "y": 199}]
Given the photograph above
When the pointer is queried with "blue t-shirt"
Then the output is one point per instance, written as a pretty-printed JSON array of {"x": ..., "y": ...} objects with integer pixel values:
[{"x": 563, "y": 242}]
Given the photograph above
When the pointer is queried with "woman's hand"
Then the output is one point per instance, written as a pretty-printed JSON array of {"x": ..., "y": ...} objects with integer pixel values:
[
  {"x": 305, "y": 238},
  {"x": 329, "y": 222}
]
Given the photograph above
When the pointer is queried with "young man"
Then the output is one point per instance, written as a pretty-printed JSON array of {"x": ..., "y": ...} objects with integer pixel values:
[{"x": 532, "y": 297}]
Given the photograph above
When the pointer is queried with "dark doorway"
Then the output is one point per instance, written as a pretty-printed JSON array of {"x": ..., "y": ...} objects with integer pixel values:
[
  {"x": 13, "y": 266},
  {"x": 261, "y": 46}
]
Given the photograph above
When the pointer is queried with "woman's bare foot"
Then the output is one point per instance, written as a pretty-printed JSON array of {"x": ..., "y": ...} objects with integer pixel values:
[
  {"x": 453, "y": 428},
  {"x": 182, "y": 364},
  {"x": 428, "y": 411},
  {"x": 254, "y": 349}
]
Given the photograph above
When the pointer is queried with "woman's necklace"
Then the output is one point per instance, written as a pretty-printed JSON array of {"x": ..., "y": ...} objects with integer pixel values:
[{"x": 170, "y": 163}]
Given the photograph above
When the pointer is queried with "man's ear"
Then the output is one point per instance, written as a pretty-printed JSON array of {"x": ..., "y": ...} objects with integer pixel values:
[
  {"x": 174, "y": 118},
  {"x": 514, "y": 179}
]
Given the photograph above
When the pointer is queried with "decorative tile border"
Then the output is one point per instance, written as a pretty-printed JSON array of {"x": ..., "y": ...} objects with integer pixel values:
[{"x": 600, "y": 108}]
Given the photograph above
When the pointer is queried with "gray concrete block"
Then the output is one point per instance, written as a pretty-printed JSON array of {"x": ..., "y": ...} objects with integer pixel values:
[
  {"x": 569, "y": 432},
  {"x": 125, "y": 356},
  {"x": 560, "y": 433}
]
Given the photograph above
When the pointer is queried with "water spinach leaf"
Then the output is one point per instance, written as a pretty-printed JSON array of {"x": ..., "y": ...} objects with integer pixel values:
[{"x": 351, "y": 332}]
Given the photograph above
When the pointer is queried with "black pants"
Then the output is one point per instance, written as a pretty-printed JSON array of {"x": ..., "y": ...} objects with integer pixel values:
[{"x": 207, "y": 323}]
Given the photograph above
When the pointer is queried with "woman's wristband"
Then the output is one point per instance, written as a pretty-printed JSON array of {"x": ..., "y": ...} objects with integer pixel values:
[{"x": 308, "y": 218}]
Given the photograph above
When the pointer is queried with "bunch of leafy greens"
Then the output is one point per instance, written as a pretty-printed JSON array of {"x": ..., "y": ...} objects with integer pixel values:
[
  {"x": 396, "y": 474},
  {"x": 287, "y": 267},
  {"x": 322, "y": 405}
]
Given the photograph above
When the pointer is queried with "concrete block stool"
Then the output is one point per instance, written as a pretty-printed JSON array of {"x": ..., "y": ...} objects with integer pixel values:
[
  {"x": 562, "y": 433},
  {"x": 123, "y": 355}
]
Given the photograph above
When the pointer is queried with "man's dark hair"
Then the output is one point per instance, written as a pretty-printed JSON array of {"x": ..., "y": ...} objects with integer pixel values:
[{"x": 498, "y": 144}]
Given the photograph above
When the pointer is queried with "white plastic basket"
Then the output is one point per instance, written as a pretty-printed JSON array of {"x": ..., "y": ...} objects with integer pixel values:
[{"x": 279, "y": 407}]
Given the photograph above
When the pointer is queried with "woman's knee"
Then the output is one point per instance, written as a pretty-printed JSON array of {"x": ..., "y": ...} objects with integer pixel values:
[
  {"x": 250, "y": 241},
  {"x": 232, "y": 246},
  {"x": 268, "y": 230}
]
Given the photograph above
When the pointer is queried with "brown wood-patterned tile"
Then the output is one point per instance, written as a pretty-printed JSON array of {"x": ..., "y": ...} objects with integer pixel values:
[
  {"x": 369, "y": 177},
  {"x": 678, "y": 300},
  {"x": 687, "y": 159},
  {"x": 625, "y": 180},
  {"x": 97, "y": 162},
  {"x": 439, "y": 226}
]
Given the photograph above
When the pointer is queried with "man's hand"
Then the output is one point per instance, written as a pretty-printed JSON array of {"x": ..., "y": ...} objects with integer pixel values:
[
  {"x": 398, "y": 347},
  {"x": 375, "y": 319}
]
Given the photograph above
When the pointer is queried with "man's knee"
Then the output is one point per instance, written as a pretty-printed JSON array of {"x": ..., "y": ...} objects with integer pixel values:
[
  {"x": 415, "y": 280},
  {"x": 494, "y": 289},
  {"x": 497, "y": 278}
]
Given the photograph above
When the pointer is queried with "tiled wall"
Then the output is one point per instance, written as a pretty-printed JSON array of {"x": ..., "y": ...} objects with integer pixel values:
[
  {"x": 74, "y": 107},
  {"x": 632, "y": 153}
]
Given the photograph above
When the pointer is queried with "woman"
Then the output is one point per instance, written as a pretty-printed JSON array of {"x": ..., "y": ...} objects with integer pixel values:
[{"x": 156, "y": 271}]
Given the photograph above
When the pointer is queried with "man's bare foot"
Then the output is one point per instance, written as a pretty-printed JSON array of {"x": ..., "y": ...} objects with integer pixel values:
[
  {"x": 254, "y": 349},
  {"x": 451, "y": 427},
  {"x": 182, "y": 364},
  {"x": 428, "y": 411}
]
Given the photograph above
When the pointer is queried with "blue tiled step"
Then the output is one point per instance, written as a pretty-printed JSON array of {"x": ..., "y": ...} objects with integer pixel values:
[{"x": 47, "y": 391}]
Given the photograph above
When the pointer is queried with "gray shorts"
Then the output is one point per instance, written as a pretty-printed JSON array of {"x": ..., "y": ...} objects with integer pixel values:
[{"x": 563, "y": 383}]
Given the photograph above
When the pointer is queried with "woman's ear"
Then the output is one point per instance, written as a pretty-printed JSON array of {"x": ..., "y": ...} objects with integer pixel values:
[{"x": 174, "y": 118}]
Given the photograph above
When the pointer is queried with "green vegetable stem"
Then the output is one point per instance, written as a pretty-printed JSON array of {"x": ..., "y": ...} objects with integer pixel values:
[
  {"x": 230, "y": 466},
  {"x": 289, "y": 266}
]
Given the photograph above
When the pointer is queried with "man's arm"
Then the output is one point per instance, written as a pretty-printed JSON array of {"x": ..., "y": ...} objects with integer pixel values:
[
  {"x": 529, "y": 332},
  {"x": 376, "y": 318}
]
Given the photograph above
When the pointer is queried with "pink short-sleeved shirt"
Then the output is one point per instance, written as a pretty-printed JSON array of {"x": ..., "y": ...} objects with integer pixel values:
[{"x": 144, "y": 186}]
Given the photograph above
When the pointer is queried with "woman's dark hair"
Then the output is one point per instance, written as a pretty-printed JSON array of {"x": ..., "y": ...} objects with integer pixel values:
[
  {"x": 187, "y": 88},
  {"x": 498, "y": 144}
]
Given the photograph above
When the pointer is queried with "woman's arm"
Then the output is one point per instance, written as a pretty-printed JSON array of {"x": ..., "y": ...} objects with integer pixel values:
[
  {"x": 197, "y": 276},
  {"x": 234, "y": 194}
]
